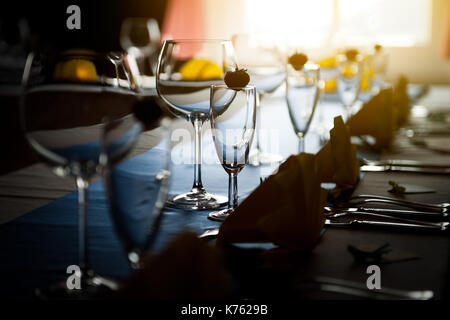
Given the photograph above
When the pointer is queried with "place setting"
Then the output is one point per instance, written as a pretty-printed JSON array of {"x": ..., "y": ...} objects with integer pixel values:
[{"x": 179, "y": 157}]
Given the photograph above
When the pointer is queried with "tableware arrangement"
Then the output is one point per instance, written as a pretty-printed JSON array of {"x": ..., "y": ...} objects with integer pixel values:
[
  {"x": 350, "y": 70},
  {"x": 64, "y": 101},
  {"x": 267, "y": 73},
  {"x": 137, "y": 188},
  {"x": 186, "y": 70},
  {"x": 233, "y": 119},
  {"x": 302, "y": 95}
]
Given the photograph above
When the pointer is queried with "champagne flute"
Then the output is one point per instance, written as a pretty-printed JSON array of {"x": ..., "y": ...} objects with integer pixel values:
[
  {"x": 378, "y": 63},
  {"x": 302, "y": 95},
  {"x": 350, "y": 69},
  {"x": 65, "y": 97},
  {"x": 186, "y": 70},
  {"x": 233, "y": 120},
  {"x": 266, "y": 69},
  {"x": 137, "y": 188}
]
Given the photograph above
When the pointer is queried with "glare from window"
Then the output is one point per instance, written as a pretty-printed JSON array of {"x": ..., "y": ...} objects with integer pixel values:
[
  {"x": 322, "y": 23},
  {"x": 305, "y": 23},
  {"x": 400, "y": 23}
]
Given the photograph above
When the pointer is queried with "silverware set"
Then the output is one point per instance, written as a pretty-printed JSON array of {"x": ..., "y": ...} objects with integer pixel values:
[
  {"x": 359, "y": 290},
  {"x": 427, "y": 216}
]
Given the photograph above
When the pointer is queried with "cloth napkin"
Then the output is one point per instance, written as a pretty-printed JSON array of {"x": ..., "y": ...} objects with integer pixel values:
[
  {"x": 188, "y": 268},
  {"x": 337, "y": 161},
  {"x": 286, "y": 209},
  {"x": 378, "y": 118},
  {"x": 402, "y": 101}
]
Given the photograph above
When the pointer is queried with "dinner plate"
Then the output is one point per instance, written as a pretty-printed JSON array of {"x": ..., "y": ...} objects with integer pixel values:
[{"x": 439, "y": 144}]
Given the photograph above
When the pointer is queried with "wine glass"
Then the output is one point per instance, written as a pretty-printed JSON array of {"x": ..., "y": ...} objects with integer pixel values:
[
  {"x": 266, "y": 69},
  {"x": 137, "y": 185},
  {"x": 350, "y": 69},
  {"x": 302, "y": 95},
  {"x": 141, "y": 38},
  {"x": 233, "y": 120},
  {"x": 378, "y": 64},
  {"x": 186, "y": 70},
  {"x": 65, "y": 97}
]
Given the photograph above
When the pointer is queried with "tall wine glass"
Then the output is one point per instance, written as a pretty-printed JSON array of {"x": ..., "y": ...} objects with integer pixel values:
[
  {"x": 378, "y": 63},
  {"x": 266, "y": 69},
  {"x": 141, "y": 38},
  {"x": 233, "y": 120},
  {"x": 65, "y": 98},
  {"x": 137, "y": 186},
  {"x": 350, "y": 70},
  {"x": 302, "y": 95},
  {"x": 186, "y": 70}
]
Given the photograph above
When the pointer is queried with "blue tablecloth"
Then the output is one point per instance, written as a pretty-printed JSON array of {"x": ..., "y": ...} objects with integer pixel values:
[{"x": 36, "y": 248}]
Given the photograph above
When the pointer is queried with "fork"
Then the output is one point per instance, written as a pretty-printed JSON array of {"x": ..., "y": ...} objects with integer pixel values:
[
  {"x": 366, "y": 198},
  {"x": 340, "y": 214},
  {"x": 418, "y": 215}
]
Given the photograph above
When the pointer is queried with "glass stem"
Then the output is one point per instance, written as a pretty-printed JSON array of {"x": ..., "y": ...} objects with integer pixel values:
[
  {"x": 232, "y": 190},
  {"x": 82, "y": 190},
  {"x": 258, "y": 121},
  {"x": 301, "y": 142},
  {"x": 197, "y": 186}
]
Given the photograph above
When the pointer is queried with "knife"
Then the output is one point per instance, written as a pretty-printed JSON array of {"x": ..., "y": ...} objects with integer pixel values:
[
  {"x": 395, "y": 168},
  {"x": 404, "y": 163},
  {"x": 442, "y": 226}
]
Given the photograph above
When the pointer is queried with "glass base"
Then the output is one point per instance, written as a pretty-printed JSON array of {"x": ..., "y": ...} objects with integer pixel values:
[
  {"x": 220, "y": 215},
  {"x": 259, "y": 158},
  {"x": 94, "y": 287},
  {"x": 197, "y": 200}
]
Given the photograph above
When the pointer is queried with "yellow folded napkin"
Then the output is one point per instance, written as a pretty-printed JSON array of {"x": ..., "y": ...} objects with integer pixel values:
[
  {"x": 402, "y": 100},
  {"x": 286, "y": 209},
  {"x": 377, "y": 118},
  {"x": 188, "y": 269},
  {"x": 337, "y": 161}
]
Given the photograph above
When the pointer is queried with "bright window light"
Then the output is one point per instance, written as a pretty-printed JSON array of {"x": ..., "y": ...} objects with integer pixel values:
[
  {"x": 306, "y": 23},
  {"x": 400, "y": 23},
  {"x": 322, "y": 23}
]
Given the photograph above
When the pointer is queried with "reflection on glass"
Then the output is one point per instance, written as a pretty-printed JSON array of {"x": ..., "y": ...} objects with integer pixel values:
[
  {"x": 349, "y": 80},
  {"x": 302, "y": 95},
  {"x": 137, "y": 189},
  {"x": 266, "y": 69},
  {"x": 65, "y": 99},
  {"x": 186, "y": 70},
  {"x": 233, "y": 120},
  {"x": 140, "y": 38}
]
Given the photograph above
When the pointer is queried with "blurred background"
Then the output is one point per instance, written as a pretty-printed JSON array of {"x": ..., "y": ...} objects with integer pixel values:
[{"x": 415, "y": 33}]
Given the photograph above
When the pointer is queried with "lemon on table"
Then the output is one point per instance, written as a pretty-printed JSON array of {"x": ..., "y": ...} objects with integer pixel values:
[
  {"x": 330, "y": 85},
  {"x": 327, "y": 63},
  {"x": 76, "y": 70},
  {"x": 200, "y": 69}
]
